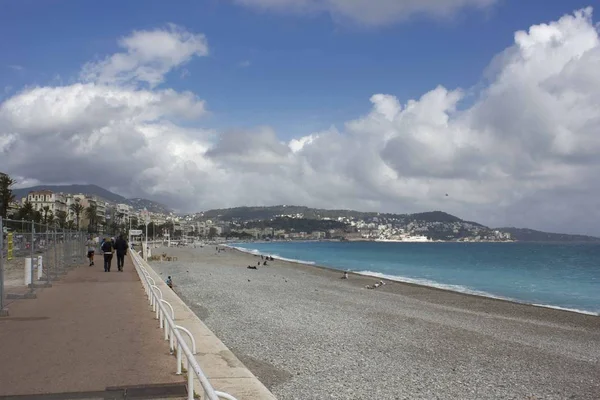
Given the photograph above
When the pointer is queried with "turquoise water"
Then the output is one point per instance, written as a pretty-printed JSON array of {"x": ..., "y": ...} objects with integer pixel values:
[{"x": 554, "y": 275}]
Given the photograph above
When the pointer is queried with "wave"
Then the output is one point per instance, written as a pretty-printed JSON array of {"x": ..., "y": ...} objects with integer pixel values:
[
  {"x": 465, "y": 290},
  {"x": 597, "y": 314},
  {"x": 257, "y": 252},
  {"x": 430, "y": 283}
]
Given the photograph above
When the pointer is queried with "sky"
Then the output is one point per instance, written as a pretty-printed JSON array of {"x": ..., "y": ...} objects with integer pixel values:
[{"x": 486, "y": 109}]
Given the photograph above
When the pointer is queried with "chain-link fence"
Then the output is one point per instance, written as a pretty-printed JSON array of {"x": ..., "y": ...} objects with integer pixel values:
[{"x": 34, "y": 255}]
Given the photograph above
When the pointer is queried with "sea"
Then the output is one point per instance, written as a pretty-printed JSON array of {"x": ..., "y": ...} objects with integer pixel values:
[{"x": 563, "y": 276}]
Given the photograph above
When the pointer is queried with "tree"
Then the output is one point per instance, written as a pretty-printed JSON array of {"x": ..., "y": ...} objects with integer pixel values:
[
  {"x": 77, "y": 209},
  {"x": 91, "y": 213},
  {"x": 46, "y": 211},
  {"x": 37, "y": 217},
  {"x": 212, "y": 232},
  {"x": 61, "y": 218},
  {"x": 6, "y": 195},
  {"x": 47, "y": 216},
  {"x": 26, "y": 211}
]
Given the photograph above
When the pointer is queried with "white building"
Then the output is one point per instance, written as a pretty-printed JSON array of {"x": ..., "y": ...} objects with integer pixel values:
[
  {"x": 46, "y": 198},
  {"x": 124, "y": 209}
]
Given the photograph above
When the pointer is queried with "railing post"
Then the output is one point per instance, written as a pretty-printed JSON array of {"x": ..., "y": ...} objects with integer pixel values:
[
  {"x": 190, "y": 385},
  {"x": 178, "y": 359}
]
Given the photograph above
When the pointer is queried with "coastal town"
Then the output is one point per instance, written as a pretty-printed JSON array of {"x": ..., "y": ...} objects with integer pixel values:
[{"x": 93, "y": 213}]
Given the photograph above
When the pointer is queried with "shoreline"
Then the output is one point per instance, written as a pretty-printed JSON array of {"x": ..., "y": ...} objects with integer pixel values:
[{"x": 398, "y": 280}]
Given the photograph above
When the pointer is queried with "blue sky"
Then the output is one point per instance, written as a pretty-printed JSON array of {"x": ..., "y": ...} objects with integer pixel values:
[
  {"x": 305, "y": 73},
  {"x": 524, "y": 144}
]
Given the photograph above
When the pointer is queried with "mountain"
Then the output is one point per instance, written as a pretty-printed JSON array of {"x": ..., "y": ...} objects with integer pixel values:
[
  {"x": 270, "y": 212},
  {"x": 150, "y": 205},
  {"x": 530, "y": 235},
  {"x": 96, "y": 190},
  {"x": 73, "y": 189},
  {"x": 242, "y": 214},
  {"x": 435, "y": 224}
]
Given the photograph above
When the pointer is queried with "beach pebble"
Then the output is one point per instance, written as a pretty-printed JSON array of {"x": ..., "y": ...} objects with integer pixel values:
[{"x": 403, "y": 343}]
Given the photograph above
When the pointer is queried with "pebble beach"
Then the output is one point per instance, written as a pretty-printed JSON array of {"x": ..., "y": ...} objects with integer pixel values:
[{"x": 307, "y": 334}]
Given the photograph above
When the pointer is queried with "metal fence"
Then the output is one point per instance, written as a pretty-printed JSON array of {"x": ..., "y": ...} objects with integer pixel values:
[
  {"x": 185, "y": 356},
  {"x": 34, "y": 255}
]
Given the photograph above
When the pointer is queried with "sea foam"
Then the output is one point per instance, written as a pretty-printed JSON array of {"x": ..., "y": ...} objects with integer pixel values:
[{"x": 257, "y": 252}]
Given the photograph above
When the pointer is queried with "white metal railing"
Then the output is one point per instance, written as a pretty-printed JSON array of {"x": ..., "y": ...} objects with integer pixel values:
[{"x": 173, "y": 334}]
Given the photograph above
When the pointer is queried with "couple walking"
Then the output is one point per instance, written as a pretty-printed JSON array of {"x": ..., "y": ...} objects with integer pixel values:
[{"x": 108, "y": 248}]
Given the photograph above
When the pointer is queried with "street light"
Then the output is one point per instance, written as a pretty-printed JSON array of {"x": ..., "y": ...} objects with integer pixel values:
[{"x": 145, "y": 213}]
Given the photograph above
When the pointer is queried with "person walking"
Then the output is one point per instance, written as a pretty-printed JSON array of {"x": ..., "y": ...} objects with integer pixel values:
[
  {"x": 121, "y": 248},
  {"x": 107, "y": 249},
  {"x": 91, "y": 249}
]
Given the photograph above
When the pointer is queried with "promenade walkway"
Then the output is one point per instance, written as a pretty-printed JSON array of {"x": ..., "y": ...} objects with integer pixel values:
[{"x": 91, "y": 332}]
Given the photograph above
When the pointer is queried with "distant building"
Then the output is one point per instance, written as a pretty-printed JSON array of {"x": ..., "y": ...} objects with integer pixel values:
[{"x": 46, "y": 198}]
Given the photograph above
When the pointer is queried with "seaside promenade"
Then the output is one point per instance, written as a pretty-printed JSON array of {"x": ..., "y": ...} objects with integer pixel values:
[{"x": 91, "y": 335}]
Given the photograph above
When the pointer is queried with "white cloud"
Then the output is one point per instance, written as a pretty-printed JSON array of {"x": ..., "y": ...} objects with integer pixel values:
[
  {"x": 149, "y": 56},
  {"x": 245, "y": 64},
  {"x": 369, "y": 12},
  {"x": 525, "y": 153},
  {"x": 16, "y": 67}
]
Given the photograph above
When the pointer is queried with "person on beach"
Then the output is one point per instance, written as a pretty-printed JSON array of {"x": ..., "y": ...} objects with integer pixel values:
[
  {"x": 376, "y": 285},
  {"x": 170, "y": 282},
  {"x": 345, "y": 275},
  {"x": 107, "y": 250},
  {"x": 91, "y": 248},
  {"x": 121, "y": 248}
]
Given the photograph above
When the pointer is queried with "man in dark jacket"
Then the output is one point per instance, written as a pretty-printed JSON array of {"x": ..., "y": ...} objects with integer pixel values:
[
  {"x": 107, "y": 250},
  {"x": 121, "y": 248}
]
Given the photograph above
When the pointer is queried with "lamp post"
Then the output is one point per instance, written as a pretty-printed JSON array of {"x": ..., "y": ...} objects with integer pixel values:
[{"x": 146, "y": 236}]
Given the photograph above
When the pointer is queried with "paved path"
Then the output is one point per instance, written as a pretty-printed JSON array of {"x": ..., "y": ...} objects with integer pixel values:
[{"x": 90, "y": 331}]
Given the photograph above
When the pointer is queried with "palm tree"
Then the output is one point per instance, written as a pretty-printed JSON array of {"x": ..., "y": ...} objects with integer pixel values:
[
  {"x": 91, "y": 213},
  {"x": 49, "y": 218},
  {"x": 26, "y": 211},
  {"x": 46, "y": 210},
  {"x": 77, "y": 209},
  {"x": 6, "y": 196},
  {"x": 61, "y": 218}
]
